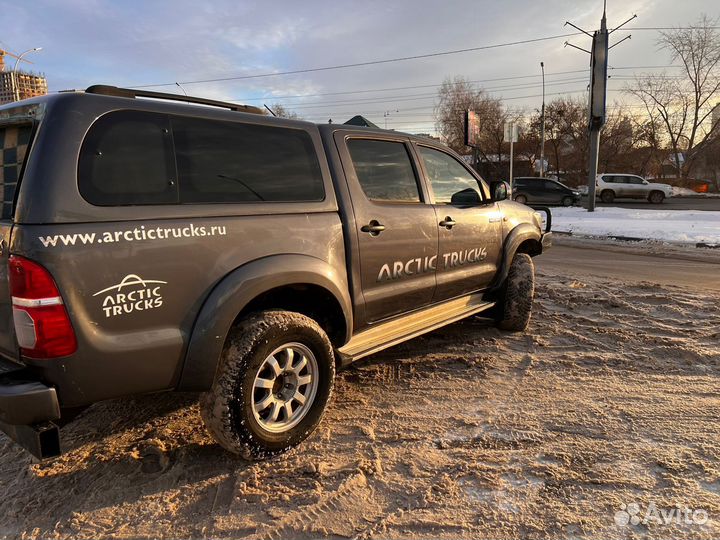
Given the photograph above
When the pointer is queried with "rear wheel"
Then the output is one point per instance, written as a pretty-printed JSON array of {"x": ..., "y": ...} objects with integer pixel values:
[
  {"x": 656, "y": 197},
  {"x": 567, "y": 201},
  {"x": 514, "y": 306},
  {"x": 273, "y": 384},
  {"x": 522, "y": 199},
  {"x": 607, "y": 196}
]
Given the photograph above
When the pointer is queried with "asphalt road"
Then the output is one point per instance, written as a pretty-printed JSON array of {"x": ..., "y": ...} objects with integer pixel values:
[
  {"x": 680, "y": 203},
  {"x": 626, "y": 267}
]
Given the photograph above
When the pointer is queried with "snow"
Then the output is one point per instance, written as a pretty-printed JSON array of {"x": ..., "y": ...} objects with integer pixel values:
[
  {"x": 684, "y": 226},
  {"x": 685, "y": 192}
]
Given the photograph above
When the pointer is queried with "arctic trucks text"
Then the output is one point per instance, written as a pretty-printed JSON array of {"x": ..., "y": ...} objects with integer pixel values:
[{"x": 149, "y": 245}]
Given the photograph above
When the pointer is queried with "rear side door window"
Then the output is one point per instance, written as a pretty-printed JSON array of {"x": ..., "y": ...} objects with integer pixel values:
[{"x": 384, "y": 170}]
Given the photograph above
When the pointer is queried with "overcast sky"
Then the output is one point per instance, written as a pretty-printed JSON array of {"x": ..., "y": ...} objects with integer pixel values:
[{"x": 133, "y": 43}]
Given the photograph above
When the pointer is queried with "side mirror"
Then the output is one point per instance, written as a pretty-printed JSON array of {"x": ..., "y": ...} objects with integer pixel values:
[
  {"x": 466, "y": 197},
  {"x": 499, "y": 191}
]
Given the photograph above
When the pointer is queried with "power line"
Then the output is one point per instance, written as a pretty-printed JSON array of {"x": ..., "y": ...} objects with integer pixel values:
[
  {"x": 426, "y": 96},
  {"x": 496, "y": 79},
  {"x": 361, "y": 64},
  {"x": 406, "y": 58},
  {"x": 630, "y": 29},
  {"x": 415, "y": 97}
]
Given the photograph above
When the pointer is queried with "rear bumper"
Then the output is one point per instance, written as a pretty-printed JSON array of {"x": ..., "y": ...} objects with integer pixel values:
[
  {"x": 27, "y": 402},
  {"x": 27, "y": 409}
]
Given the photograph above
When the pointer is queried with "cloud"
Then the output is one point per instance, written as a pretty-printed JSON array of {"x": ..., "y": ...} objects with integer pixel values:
[{"x": 138, "y": 42}]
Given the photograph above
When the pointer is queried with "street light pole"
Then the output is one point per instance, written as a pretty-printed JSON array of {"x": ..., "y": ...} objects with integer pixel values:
[
  {"x": 16, "y": 86},
  {"x": 542, "y": 123}
]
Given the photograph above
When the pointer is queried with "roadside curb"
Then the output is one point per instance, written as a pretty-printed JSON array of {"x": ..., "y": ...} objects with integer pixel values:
[{"x": 638, "y": 239}]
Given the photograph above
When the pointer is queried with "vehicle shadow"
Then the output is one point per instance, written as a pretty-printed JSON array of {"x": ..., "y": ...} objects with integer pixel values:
[
  {"x": 120, "y": 451},
  {"x": 114, "y": 452}
]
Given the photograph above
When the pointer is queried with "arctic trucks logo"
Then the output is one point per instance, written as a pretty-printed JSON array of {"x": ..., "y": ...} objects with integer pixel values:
[
  {"x": 401, "y": 269},
  {"x": 131, "y": 295}
]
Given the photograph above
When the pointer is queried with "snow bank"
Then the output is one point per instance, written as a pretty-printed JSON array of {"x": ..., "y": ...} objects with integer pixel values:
[
  {"x": 685, "y": 192},
  {"x": 690, "y": 226}
]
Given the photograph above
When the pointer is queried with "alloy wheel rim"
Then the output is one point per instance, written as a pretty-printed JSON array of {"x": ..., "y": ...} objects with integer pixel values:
[{"x": 284, "y": 387}]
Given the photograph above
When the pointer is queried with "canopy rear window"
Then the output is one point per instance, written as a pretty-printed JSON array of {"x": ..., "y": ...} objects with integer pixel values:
[{"x": 15, "y": 143}]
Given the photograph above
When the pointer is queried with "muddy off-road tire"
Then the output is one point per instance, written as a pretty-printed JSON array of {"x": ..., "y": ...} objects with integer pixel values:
[
  {"x": 270, "y": 359},
  {"x": 515, "y": 303}
]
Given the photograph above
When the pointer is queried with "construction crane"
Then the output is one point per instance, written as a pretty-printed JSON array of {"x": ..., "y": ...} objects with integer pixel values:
[{"x": 4, "y": 53}]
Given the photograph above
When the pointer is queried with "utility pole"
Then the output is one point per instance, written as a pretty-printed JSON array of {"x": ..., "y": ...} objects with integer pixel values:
[
  {"x": 598, "y": 93},
  {"x": 542, "y": 124},
  {"x": 598, "y": 96},
  {"x": 510, "y": 134}
]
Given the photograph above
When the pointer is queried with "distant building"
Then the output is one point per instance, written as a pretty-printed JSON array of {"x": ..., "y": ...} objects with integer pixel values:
[{"x": 21, "y": 85}]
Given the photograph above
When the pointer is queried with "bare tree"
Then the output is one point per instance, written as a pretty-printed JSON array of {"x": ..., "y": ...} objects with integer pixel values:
[
  {"x": 457, "y": 96},
  {"x": 283, "y": 112},
  {"x": 684, "y": 105},
  {"x": 566, "y": 144}
]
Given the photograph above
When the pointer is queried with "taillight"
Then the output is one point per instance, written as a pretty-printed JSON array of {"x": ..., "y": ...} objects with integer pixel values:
[{"x": 42, "y": 324}]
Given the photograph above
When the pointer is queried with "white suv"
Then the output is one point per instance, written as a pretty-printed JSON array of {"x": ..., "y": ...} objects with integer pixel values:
[{"x": 630, "y": 186}]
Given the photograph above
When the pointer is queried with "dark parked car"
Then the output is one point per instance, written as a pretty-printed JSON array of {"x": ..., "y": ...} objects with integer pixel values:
[{"x": 532, "y": 190}]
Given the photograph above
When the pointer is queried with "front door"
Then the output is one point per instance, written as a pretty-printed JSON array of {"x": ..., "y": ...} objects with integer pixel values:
[
  {"x": 470, "y": 226},
  {"x": 396, "y": 229}
]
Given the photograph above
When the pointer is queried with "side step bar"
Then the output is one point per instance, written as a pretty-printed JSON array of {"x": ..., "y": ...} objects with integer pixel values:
[
  {"x": 386, "y": 334},
  {"x": 41, "y": 440}
]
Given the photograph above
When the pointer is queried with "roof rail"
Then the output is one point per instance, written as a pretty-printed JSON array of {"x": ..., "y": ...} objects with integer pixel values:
[{"x": 107, "y": 90}]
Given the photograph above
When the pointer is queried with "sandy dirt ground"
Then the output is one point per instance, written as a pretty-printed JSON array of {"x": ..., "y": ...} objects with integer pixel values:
[{"x": 609, "y": 399}]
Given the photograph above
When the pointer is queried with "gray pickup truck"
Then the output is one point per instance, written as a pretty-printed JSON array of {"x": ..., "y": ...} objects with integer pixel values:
[{"x": 150, "y": 245}]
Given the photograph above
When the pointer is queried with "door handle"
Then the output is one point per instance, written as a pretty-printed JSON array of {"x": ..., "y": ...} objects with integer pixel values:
[
  {"x": 448, "y": 223},
  {"x": 374, "y": 228}
]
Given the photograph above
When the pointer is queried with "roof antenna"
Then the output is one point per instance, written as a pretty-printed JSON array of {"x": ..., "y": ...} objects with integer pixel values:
[{"x": 269, "y": 109}]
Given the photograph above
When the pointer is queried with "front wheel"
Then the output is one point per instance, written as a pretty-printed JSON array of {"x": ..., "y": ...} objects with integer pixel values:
[
  {"x": 656, "y": 197},
  {"x": 514, "y": 306},
  {"x": 568, "y": 201},
  {"x": 522, "y": 199},
  {"x": 273, "y": 384}
]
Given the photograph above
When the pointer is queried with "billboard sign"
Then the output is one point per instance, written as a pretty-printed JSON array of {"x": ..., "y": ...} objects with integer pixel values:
[{"x": 472, "y": 129}]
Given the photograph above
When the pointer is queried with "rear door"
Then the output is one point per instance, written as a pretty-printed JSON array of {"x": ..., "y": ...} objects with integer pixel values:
[
  {"x": 623, "y": 186},
  {"x": 16, "y": 129},
  {"x": 553, "y": 192},
  {"x": 396, "y": 229},
  {"x": 470, "y": 225}
]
